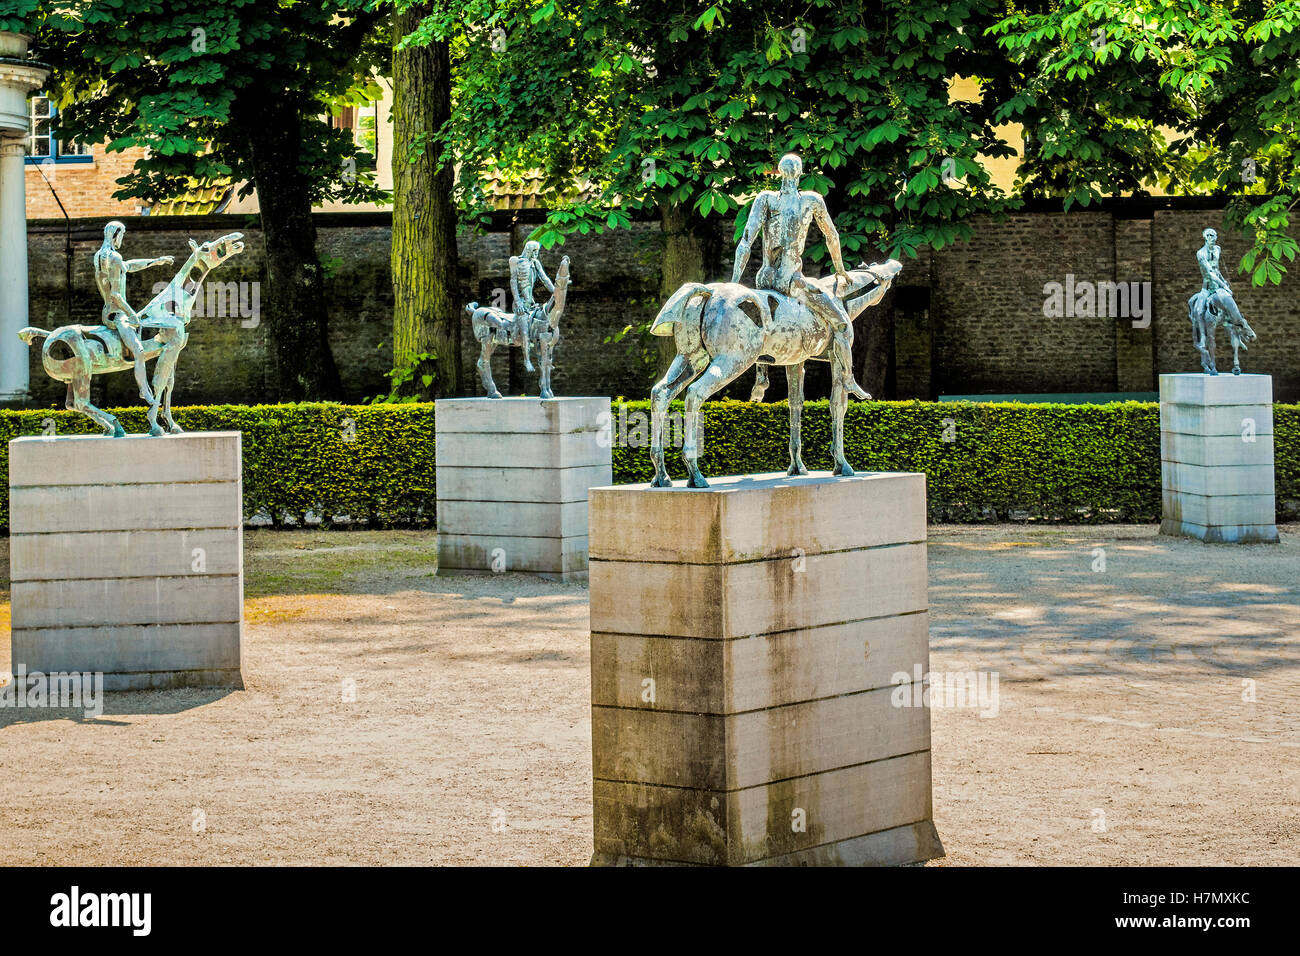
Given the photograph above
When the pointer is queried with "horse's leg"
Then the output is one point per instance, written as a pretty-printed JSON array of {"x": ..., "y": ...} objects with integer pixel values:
[
  {"x": 1236, "y": 350},
  {"x": 839, "y": 405},
  {"x": 485, "y": 368},
  {"x": 760, "y": 384},
  {"x": 1211, "y": 349},
  {"x": 173, "y": 339},
  {"x": 794, "y": 382},
  {"x": 79, "y": 401},
  {"x": 722, "y": 369},
  {"x": 666, "y": 389},
  {"x": 544, "y": 363}
]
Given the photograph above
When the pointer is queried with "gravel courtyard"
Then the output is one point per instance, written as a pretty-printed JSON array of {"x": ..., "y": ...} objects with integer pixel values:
[{"x": 1149, "y": 713}]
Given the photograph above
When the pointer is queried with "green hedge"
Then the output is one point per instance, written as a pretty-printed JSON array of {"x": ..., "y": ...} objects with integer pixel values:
[
  {"x": 995, "y": 461},
  {"x": 371, "y": 462}
]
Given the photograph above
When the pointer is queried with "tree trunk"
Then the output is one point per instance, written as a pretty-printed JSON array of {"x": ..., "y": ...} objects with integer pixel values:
[
  {"x": 873, "y": 346},
  {"x": 692, "y": 253},
  {"x": 295, "y": 301},
  {"x": 427, "y": 310}
]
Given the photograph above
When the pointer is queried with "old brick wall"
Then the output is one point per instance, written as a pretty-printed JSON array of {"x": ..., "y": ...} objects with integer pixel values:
[{"x": 969, "y": 318}]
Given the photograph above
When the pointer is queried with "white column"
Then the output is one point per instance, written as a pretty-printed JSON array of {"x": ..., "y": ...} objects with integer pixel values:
[
  {"x": 18, "y": 78},
  {"x": 14, "y": 367}
]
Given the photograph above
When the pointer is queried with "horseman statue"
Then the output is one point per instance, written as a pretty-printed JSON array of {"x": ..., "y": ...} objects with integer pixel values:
[
  {"x": 75, "y": 353},
  {"x": 723, "y": 328},
  {"x": 531, "y": 324},
  {"x": 1213, "y": 306}
]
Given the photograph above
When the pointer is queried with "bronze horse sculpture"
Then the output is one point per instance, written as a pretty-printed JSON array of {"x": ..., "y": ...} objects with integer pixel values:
[{"x": 723, "y": 328}]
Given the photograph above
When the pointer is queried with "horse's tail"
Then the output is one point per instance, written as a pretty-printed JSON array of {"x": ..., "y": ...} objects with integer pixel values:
[
  {"x": 31, "y": 332},
  {"x": 674, "y": 310}
]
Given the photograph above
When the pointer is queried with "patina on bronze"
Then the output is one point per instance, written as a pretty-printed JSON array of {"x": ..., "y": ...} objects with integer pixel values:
[
  {"x": 723, "y": 328},
  {"x": 117, "y": 345},
  {"x": 1212, "y": 306},
  {"x": 530, "y": 324}
]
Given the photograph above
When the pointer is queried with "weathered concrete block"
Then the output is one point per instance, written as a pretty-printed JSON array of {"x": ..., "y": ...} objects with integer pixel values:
[
  {"x": 1216, "y": 390},
  {"x": 513, "y": 476},
  {"x": 1216, "y": 451},
  {"x": 127, "y": 558},
  {"x": 747, "y": 641}
]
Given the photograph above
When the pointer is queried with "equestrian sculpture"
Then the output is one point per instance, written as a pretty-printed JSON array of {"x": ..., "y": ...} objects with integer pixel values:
[
  {"x": 723, "y": 328},
  {"x": 117, "y": 345},
  {"x": 1213, "y": 306},
  {"x": 530, "y": 325}
]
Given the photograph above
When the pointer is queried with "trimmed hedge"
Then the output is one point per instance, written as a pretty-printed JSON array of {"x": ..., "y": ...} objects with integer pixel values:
[
  {"x": 983, "y": 461},
  {"x": 371, "y": 462}
]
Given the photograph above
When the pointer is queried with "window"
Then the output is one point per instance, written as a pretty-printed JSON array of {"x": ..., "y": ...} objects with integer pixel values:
[
  {"x": 362, "y": 122},
  {"x": 43, "y": 144}
]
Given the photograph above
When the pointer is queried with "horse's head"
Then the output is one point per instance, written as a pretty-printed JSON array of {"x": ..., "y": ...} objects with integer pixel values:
[
  {"x": 212, "y": 254},
  {"x": 867, "y": 285},
  {"x": 556, "y": 305}
]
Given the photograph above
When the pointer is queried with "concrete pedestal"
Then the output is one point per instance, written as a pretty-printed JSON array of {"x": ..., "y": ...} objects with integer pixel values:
[
  {"x": 744, "y": 644},
  {"x": 513, "y": 475},
  {"x": 1216, "y": 457},
  {"x": 126, "y": 557}
]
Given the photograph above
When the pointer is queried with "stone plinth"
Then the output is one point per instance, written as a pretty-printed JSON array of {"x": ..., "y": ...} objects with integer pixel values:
[
  {"x": 513, "y": 475},
  {"x": 1216, "y": 457},
  {"x": 126, "y": 558},
  {"x": 745, "y": 641}
]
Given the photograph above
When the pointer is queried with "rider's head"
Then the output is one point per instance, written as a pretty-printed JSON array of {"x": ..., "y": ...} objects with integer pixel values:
[
  {"x": 531, "y": 249},
  {"x": 113, "y": 233},
  {"x": 1210, "y": 235},
  {"x": 790, "y": 168}
]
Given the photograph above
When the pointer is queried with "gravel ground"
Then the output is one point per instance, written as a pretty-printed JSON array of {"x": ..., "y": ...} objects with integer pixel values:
[{"x": 1122, "y": 734}]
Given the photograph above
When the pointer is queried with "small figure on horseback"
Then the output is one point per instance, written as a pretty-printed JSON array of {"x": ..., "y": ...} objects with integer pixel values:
[
  {"x": 117, "y": 345},
  {"x": 531, "y": 324},
  {"x": 723, "y": 328},
  {"x": 1213, "y": 306}
]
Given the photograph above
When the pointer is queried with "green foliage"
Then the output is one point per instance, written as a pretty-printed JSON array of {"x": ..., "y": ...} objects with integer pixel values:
[
  {"x": 995, "y": 461},
  {"x": 373, "y": 464},
  {"x": 190, "y": 80},
  {"x": 1005, "y": 461},
  {"x": 688, "y": 105},
  {"x": 1101, "y": 83}
]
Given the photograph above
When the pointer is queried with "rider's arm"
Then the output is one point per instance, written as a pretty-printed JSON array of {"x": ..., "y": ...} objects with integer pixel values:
[
  {"x": 135, "y": 265},
  {"x": 117, "y": 302},
  {"x": 753, "y": 226},
  {"x": 823, "y": 219},
  {"x": 515, "y": 294},
  {"x": 546, "y": 280}
]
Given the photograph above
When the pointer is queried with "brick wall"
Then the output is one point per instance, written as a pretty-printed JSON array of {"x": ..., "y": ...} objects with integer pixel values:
[
  {"x": 969, "y": 319},
  {"x": 85, "y": 189}
]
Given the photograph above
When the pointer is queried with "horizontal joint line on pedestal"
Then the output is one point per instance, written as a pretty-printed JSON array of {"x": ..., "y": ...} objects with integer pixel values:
[
  {"x": 787, "y": 630},
  {"x": 781, "y": 556},
  {"x": 751, "y": 710},
  {"x": 765, "y": 783},
  {"x": 130, "y": 484},
  {"x": 29, "y": 629},
  {"x": 222, "y": 527},
  {"x": 127, "y": 577}
]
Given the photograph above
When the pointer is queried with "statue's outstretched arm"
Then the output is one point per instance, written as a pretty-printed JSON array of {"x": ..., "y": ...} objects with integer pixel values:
[
  {"x": 137, "y": 265},
  {"x": 753, "y": 226}
]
